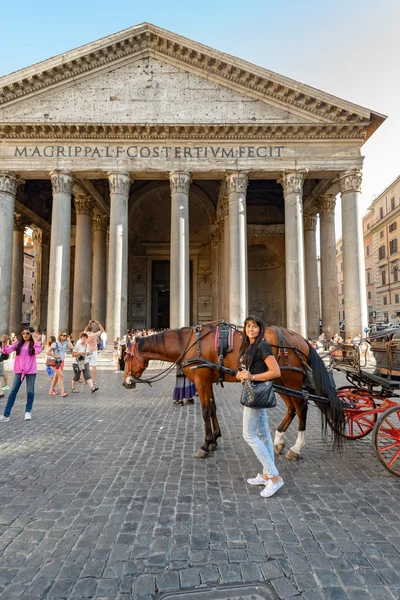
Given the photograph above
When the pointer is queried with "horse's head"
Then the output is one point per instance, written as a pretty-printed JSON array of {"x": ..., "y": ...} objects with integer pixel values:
[{"x": 135, "y": 365}]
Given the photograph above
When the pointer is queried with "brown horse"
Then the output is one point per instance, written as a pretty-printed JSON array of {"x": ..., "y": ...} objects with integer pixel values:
[{"x": 295, "y": 356}]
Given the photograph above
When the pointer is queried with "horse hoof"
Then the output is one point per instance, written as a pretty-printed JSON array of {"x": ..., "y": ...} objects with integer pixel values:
[
  {"x": 290, "y": 455},
  {"x": 279, "y": 448},
  {"x": 201, "y": 453},
  {"x": 212, "y": 447}
]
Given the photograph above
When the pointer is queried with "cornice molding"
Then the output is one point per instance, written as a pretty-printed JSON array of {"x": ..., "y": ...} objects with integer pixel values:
[
  {"x": 183, "y": 131},
  {"x": 147, "y": 40}
]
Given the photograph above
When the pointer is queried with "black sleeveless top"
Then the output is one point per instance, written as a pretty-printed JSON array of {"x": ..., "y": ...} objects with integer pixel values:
[{"x": 258, "y": 365}]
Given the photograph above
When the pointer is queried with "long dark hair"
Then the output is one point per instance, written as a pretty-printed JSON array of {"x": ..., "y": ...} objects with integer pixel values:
[
  {"x": 21, "y": 341},
  {"x": 246, "y": 340}
]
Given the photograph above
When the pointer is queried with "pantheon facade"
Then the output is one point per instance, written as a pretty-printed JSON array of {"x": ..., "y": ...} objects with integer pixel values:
[{"x": 167, "y": 183}]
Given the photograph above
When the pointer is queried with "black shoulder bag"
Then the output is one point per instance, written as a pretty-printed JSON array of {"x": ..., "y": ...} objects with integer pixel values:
[{"x": 258, "y": 394}]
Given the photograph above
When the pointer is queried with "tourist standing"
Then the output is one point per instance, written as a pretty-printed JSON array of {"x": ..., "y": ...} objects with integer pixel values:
[
  {"x": 92, "y": 341},
  {"x": 25, "y": 367},
  {"x": 57, "y": 350},
  {"x": 49, "y": 369},
  {"x": 184, "y": 390},
  {"x": 257, "y": 363},
  {"x": 81, "y": 354},
  {"x": 103, "y": 338}
]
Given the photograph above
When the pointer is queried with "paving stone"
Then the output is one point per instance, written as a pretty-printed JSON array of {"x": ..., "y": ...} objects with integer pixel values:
[
  {"x": 209, "y": 574},
  {"x": 285, "y": 588},
  {"x": 189, "y": 577},
  {"x": 167, "y": 581},
  {"x": 251, "y": 572}
]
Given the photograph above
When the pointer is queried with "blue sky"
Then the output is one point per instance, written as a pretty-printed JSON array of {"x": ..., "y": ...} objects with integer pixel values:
[{"x": 347, "y": 48}]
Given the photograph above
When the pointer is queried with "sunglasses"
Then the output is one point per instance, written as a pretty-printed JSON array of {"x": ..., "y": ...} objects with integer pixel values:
[
  {"x": 64, "y": 335},
  {"x": 26, "y": 333}
]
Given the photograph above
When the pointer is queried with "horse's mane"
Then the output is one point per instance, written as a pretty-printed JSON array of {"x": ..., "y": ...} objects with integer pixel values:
[{"x": 153, "y": 342}]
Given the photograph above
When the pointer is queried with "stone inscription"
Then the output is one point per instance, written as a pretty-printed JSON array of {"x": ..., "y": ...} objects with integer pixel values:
[{"x": 145, "y": 152}]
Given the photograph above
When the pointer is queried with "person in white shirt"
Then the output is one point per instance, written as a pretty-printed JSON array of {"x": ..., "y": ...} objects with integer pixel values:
[
  {"x": 103, "y": 337},
  {"x": 81, "y": 353}
]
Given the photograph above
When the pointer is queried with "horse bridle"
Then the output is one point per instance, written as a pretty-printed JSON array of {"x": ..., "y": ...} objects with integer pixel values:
[{"x": 161, "y": 375}]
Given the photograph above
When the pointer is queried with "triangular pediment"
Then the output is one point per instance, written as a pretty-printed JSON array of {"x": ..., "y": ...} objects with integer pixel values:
[
  {"x": 146, "y": 74},
  {"x": 146, "y": 90}
]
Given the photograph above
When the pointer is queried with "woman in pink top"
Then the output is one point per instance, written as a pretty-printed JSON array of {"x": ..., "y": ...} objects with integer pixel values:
[{"x": 25, "y": 367}]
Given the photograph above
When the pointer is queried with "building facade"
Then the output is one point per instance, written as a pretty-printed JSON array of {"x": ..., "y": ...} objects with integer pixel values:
[
  {"x": 167, "y": 183},
  {"x": 381, "y": 227}
]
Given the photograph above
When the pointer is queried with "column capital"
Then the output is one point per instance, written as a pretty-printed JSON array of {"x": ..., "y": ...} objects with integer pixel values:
[
  {"x": 61, "y": 181},
  {"x": 83, "y": 205},
  {"x": 9, "y": 182},
  {"x": 100, "y": 222},
  {"x": 350, "y": 181},
  {"x": 179, "y": 182},
  {"x": 237, "y": 182},
  {"x": 37, "y": 235},
  {"x": 120, "y": 182},
  {"x": 326, "y": 203},
  {"x": 310, "y": 222},
  {"x": 19, "y": 223},
  {"x": 292, "y": 181}
]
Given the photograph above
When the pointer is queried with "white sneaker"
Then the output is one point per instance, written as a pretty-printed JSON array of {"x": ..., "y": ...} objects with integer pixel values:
[
  {"x": 259, "y": 480},
  {"x": 28, "y": 416},
  {"x": 272, "y": 488},
  {"x": 4, "y": 419}
]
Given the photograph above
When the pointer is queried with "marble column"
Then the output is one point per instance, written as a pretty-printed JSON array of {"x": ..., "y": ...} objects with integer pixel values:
[
  {"x": 311, "y": 266},
  {"x": 238, "y": 296},
  {"x": 215, "y": 275},
  {"x": 98, "y": 310},
  {"x": 60, "y": 242},
  {"x": 17, "y": 282},
  {"x": 8, "y": 190},
  {"x": 179, "y": 257},
  {"x": 117, "y": 280},
  {"x": 355, "y": 301},
  {"x": 329, "y": 287},
  {"x": 296, "y": 317},
  {"x": 223, "y": 252},
  {"x": 82, "y": 293},
  {"x": 41, "y": 282}
]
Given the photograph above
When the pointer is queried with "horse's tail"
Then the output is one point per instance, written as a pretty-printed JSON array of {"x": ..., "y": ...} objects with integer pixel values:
[{"x": 325, "y": 387}]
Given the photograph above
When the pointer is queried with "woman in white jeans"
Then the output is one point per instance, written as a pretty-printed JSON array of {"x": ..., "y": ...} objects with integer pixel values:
[{"x": 257, "y": 363}]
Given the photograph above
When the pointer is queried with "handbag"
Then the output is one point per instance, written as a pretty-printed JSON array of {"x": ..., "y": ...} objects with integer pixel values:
[
  {"x": 51, "y": 361},
  {"x": 258, "y": 394}
]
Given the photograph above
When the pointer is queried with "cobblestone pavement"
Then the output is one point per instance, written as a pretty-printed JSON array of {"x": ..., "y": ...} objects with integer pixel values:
[{"x": 101, "y": 498}]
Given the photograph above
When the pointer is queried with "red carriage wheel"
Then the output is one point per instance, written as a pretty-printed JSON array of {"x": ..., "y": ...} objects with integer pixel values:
[
  {"x": 357, "y": 404},
  {"x": 386, "y": 440}
]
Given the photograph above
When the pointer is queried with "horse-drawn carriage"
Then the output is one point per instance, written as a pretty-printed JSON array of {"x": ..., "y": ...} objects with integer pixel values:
[
  {"x": 369, "y": 403},
  {"x": 352, "y": 411}
]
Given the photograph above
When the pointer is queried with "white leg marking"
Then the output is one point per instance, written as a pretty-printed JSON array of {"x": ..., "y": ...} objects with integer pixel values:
[
  {"x": 278, "y": 438},
  {"x": 300, "y": 442}
]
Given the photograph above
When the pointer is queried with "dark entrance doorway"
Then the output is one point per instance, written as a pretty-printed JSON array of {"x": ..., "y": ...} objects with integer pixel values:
[
  {"x": 160, "y": 297},
  {"x": 160, "y": 294}
]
